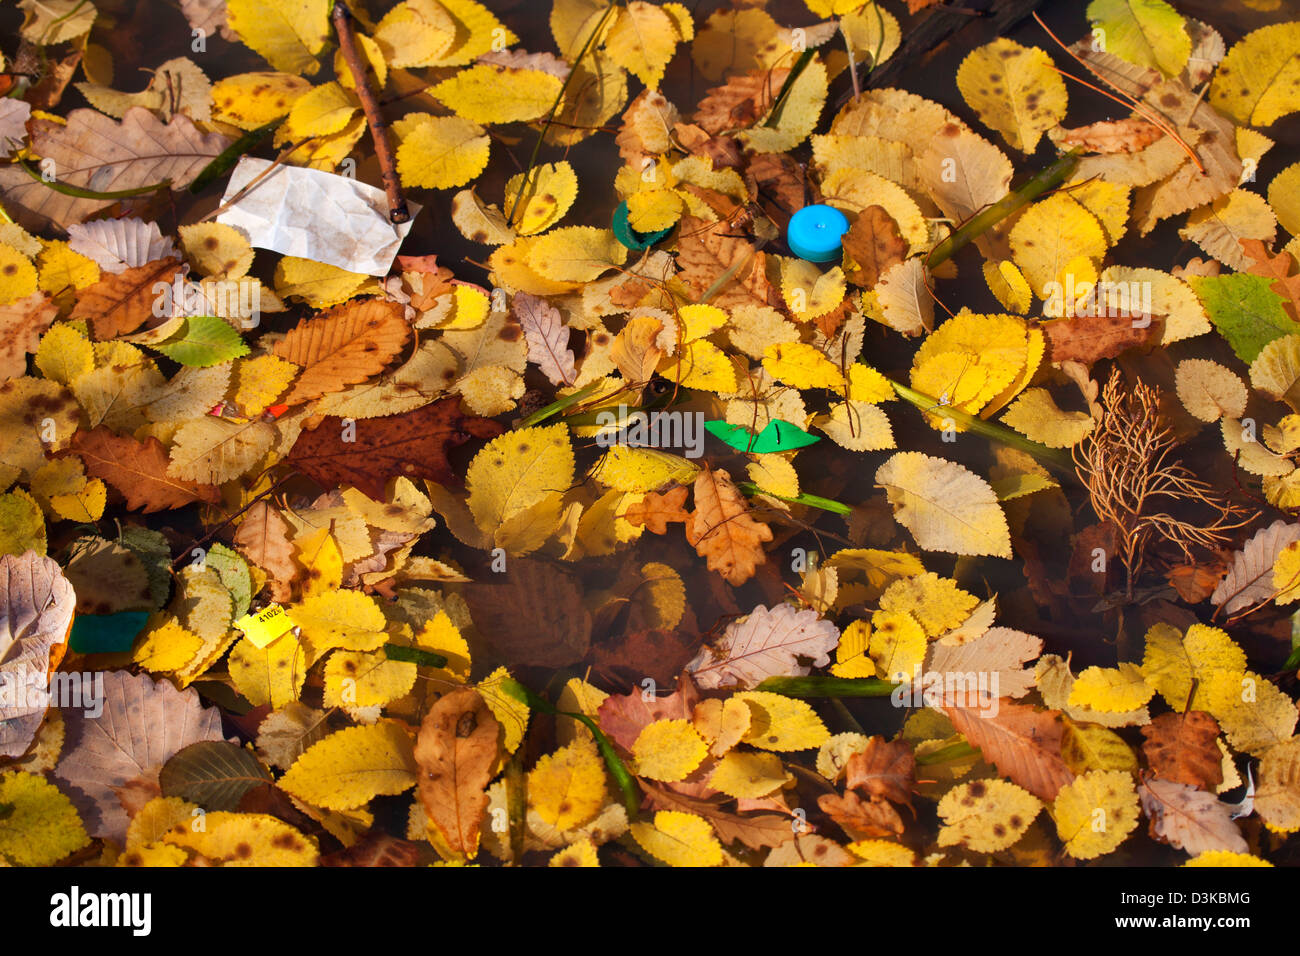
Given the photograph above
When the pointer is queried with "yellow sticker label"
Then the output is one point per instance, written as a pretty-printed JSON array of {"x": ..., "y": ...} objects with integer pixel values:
[{"x": 265, "y": 626}]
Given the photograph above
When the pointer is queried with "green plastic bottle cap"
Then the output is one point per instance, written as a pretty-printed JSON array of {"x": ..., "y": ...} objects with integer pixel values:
[{"x": 625, "y": 234}]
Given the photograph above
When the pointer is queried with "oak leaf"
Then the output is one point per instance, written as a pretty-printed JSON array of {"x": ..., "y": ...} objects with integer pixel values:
[
  {"x": 721, "y": 529},
  {"x": 656, "y": 510}
]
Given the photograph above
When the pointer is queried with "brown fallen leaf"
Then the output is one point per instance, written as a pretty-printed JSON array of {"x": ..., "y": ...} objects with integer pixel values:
[
  {"x": 342, "y": 346},
  {"x": 721, "y": 530},
  {"x": 874, "y": 244},
  {"x": 755, "y": 831},
  {"x": 456, "y": 751},
  {"x": 532, "y": 616},
  {"x": 138, "y": 469},
  {"x": 861, "y": 819},
  {"x": 22, "y": 323},
  {"x": 634, "y": 351},
  {"x": 1183, "y": 748},
  {"x": 656, "y": 510},
  {"x": 622, "y": 717},
  {"x": 1190, "y": 819},
  {"x": 883, "y": 769},
  {"x": 708, "y": 250},
  {"x": 1113, "y": 136},
  {"x": 96, "y": 152},
  {"x": 1090, "y": 338},
  {"x": 1022, "y": 742},
  {"x": 369, "y": 452},
  {"x": 375, "y": 849},
  {"x": 741, "y": 101},
  {"x": 263, "y": 538},
  {"x": 122, "y": 302},
  {"x": 36, "y": 610}
]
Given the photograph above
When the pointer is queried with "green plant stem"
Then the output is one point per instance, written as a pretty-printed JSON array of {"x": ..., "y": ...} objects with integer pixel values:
[
  {"x": 801, "y": 64},
  {"x": 559, "y": 405},
  {"x": 526, "y": 185},
  {"x": 950, "y": 752},
  {"x": 618, "y": 770},
  {"x": 815, "y": 686},
  {"x": 1045, "y": 179},
  {"x": 80, "y": 193},
  {"x": 813, "y": 501},
  {"x": 1050, "y": 456}
]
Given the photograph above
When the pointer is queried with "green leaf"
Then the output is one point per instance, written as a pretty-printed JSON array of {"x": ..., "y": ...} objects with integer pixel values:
[
  {"x": 1247, "y": 313},
  {"x": 414, "y": 655},
  {"x": 212, "y": 773},
  {"x": 777, "y": 435},
  {"x": 233, "y": 571},
  {"x": 1148, "y": 33},
  {"x": 204, "y": 340}
]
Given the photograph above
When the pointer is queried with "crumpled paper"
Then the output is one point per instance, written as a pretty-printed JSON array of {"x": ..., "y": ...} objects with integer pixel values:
[{"x": 315, "y": 215}]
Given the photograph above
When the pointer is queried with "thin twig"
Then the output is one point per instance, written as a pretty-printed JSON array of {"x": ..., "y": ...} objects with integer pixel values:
[{"x": 397, "y": 211}]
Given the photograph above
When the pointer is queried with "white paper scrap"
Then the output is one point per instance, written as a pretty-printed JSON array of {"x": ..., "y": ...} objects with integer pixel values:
[{"x": 315, "y": 215}]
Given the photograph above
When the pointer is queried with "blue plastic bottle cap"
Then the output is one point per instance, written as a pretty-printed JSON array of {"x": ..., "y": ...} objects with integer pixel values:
[
  {"x": 814, "y": 233},
  {"x": 628, "y": 236}
]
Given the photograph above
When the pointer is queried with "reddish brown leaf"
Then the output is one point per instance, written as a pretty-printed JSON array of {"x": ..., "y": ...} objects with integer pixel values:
[
  {"x": 1022, "y": 742},
  {"x": 343, "y": 346},
  {"x": 708, "y": 250},
  {"x": 741, "y": 101},
  {"x": 414, "y": 444},
  {"x": 861, "y": 819},
  {"x": 883, "y": 769},
  {"x": 623, "y": 716},
  {"x": 874, "y": 244},
  {"x": 1087, "y": 339},
  {"x": 457, "y": 751},
  {"x": 721, "y": 529},
  {"x": 21, "y": 325},
  {"x": 635, "y": 655},
  {"x": 375, "y": 849},
  {"x": 122, "y": 302},
  {"x": 138, "y": 469},
  {"x": 263, "y": 538},
  {"x": 1183, "y": 748},
  {"x": 755, "y": 831},
  {"x": 533, "y": 615}
]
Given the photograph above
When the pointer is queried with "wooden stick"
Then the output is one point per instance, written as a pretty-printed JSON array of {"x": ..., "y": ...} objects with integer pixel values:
[{"x": 397, "y": 211}]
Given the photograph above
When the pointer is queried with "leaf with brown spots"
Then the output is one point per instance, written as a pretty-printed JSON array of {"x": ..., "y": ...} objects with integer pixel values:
[
  {"x": 457, "y": 752},
  {"x": 414, "y": 445},
  {"x": 874, "y": 244},
  {"x": 138, "y": 469},
  {"x": 122, "y": 302},
  {"x": 342, "y": 346},
  {"x": 21, "y": 325},
  {"x": 721, "y": 529},
  {"x": 1183, "y": 748},
  {"x": 656, "y": 510}
]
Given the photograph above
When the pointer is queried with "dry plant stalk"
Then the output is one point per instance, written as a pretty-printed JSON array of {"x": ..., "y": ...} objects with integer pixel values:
[{"x": 1133, "y": 482}]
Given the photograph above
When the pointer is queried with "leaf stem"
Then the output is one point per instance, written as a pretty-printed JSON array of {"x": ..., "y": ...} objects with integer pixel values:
[
  {"x": 928, "y": 405},
  {"x": 950, "y": 752},
  {"x": 80, "y": 193},
  {"x": 818, "y": 686},
  {"x": 804, "y": 498},
  {"x": 526, "y": 184},
  {"x": 1047, "y": 178},
  {"x": 559, "y": 405},
  {"x": 230, "y": 155}
]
